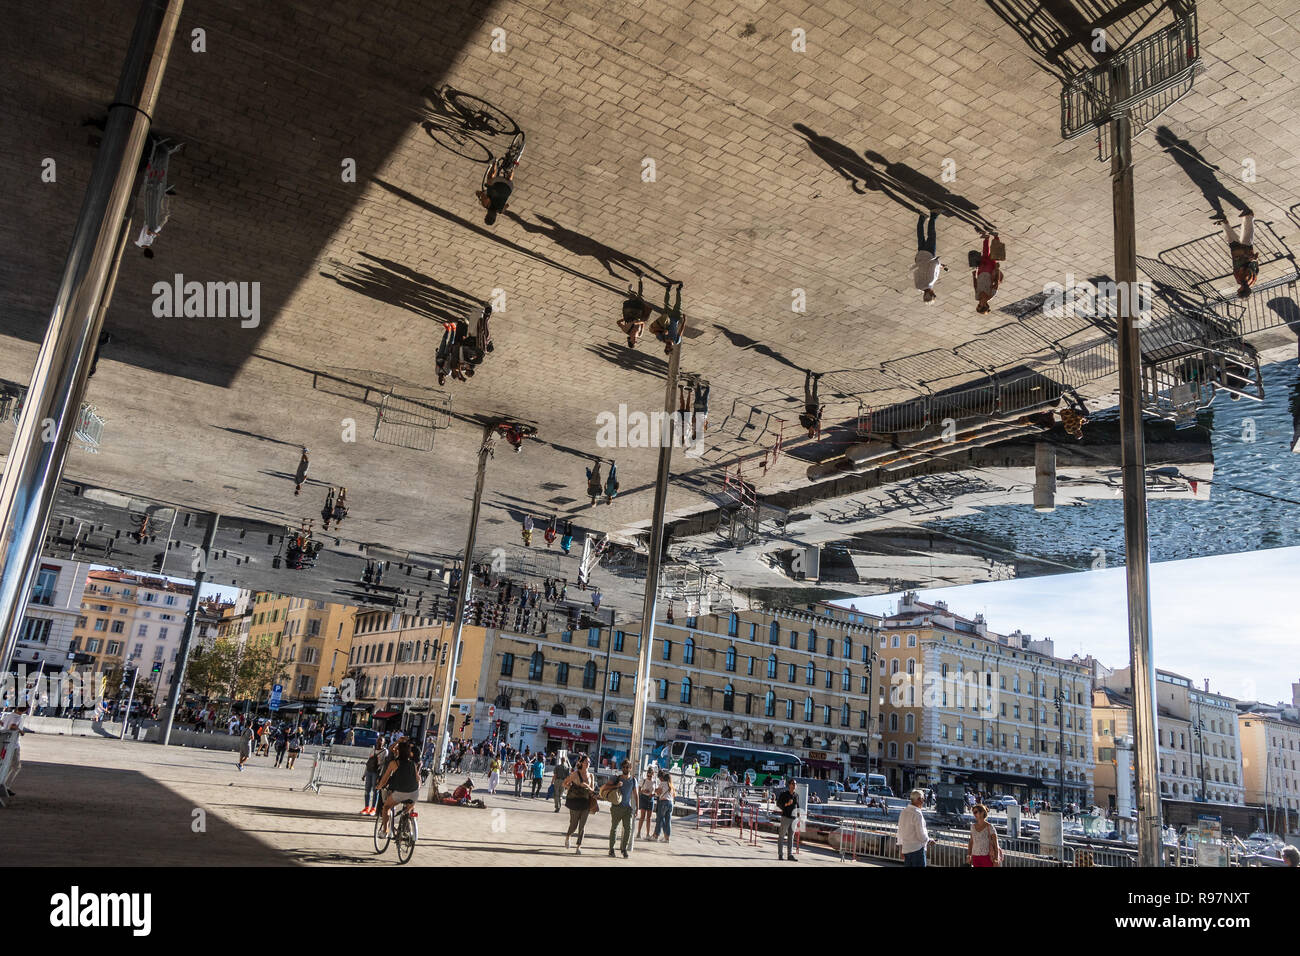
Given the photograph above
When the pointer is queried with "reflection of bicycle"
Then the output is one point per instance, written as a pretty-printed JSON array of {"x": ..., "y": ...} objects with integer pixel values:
[
  {"x": 458, "y": 122},
  {"x": 402, "y": 829}
]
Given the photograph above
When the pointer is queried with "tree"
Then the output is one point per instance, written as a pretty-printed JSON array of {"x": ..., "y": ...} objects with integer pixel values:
[
  {"x": 258, "y": 668},
  {"x": 211, "y": 668},
  {"x": 119, "y": 675}
]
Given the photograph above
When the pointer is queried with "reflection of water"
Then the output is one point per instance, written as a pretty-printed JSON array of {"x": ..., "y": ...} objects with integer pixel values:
[{"x": 1232, "y": 520}]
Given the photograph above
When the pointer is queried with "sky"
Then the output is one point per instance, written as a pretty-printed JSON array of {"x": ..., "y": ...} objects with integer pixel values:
[{"x": 1226, "y": 618}]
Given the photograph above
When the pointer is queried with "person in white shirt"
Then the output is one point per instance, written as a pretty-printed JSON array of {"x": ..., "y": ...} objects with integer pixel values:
[
  {"x": 927, "y": 267},
  {"x": 913, "y": 838}
]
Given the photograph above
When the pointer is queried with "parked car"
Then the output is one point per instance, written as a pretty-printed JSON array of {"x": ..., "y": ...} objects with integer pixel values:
[
  {"x": 835, "y": 789},
  {"x": 362, "y": 736}
]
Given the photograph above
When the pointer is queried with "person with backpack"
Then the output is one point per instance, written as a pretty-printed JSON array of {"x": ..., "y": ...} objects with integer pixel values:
[
  {"x": 538, "y": 774},
  {"x": 519, "y": 768},
  {"x": 295, "y": 746},
  {"x": 281, "y": 743}
]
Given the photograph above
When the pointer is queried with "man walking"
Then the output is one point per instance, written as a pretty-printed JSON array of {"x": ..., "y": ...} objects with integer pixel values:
[
  {"x": 927, "y": 268},
  {"x": 301, "y": 473},
  {"x": 913, "y": 838},
  {"x": 1245, "y": 260},
  {"x": 558, "y": 776},
  {"x": 539, "y": 771},
  {"x": 811, "y": 419},
  {"x": 622, "y": 812},
  {"x": 787, "y": 801}
]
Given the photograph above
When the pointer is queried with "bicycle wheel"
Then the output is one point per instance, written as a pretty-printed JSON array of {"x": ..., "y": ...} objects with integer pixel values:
[
  {"x": 407, "y": 834},
  {"x": 381, "y": 839},
  {"x": 479, "y": 114},
  {"x": 456, "y": 142}
]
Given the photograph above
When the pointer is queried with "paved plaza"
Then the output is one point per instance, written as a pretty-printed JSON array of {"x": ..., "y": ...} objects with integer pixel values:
[
  {"x": 86, "y": 801},
  {"x": 764, "y": 153}
]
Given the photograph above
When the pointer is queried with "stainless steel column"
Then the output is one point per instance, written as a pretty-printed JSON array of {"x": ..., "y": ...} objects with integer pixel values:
[
  {"x": 444, "y": 709},
  {"x": 35, "y": 466},
  {"x": 1136, "y": 557},
  {"x": 652, "y": 568},
  {"x": 183, "y": 654}
]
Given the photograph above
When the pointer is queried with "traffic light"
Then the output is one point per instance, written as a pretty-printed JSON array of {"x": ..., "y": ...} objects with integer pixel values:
[
  {"x": 158, "y": 560},
  {"x": 157, "y": 668}
]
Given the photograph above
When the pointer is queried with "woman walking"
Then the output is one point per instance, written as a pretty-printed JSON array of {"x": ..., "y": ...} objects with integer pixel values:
[
  {"x": 494, "y": 775},
  {"x": 295, "y": 746},
  {"x": 646, "y": 802},
  {"x": 370, "y": 777},
  {"x": 983, "y": 849},
  {"x": 664, "y": 808},
  {"x": 580, "y": 787}
]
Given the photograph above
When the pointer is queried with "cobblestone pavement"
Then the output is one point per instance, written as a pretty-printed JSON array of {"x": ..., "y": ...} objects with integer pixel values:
[
  {"x": 94, "y": 802},
  {"x": 776, "y": 174}
]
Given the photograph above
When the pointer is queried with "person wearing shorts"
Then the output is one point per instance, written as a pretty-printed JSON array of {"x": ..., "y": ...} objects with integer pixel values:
[
  {"x": 645, "y": 802},
  {"x": 402, "y": 778}
]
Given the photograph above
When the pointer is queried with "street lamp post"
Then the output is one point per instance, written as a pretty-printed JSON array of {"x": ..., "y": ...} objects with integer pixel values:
[
  {"x": 1060, "y": 746},
  {"x": 1199, "y": 730}
]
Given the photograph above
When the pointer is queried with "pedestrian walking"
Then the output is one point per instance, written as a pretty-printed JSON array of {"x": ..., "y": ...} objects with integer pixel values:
[
  {"x": 245, "y": 746},
  {"x": 281, "y": 744},
  {"x": 811, "y": 419},
  {"x": 519, "y": 769},
  {"x": 787, "y": 801},
  {"x": 625, "y": 790},
  {"x": 528, "y": 531},
  {"x": 340, "y": 507},
  {"x": 913, "y": 838},
  {"x": 580, "y": 793},
  {"x": 494, "y": 774},
  {"x": 1245, "y": 260},
  {"x": 566, "y": 539},
  {"x": 982, "y": 848},
  {"x": 636, "y": 310},
  {"x": 664, "y": 793},
  {"x": 370, "y": 777},
  {"x": 301, "y": 473},
  {"x": 669, "y": 326},
  {"x": 549, "y": 535},
  {"x": 927, "y": 268},
  {"x": 988, "y": 277},
  {"x": 558, "y": 775},
  {"x": 327, "y": 510},
  {"x": 611, "y": 484},
  {"x": 594, "y": 481},
  {"x": 646, "y": 802},
  {"x": 538, "y": 774},
  {"x": 295, "y": 746},
  {"x": 595, "y": 599}
]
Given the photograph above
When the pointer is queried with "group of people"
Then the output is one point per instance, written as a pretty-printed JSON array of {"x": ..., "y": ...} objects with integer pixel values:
[
  {"x": 667, "y": 327},
  {"x": 259, "y": 737},
  {"x": 460, "y": 353},
  {"x": 927, "y": 267},
  {"x": 914, "y": 841},
  {"x": 628, "y": 797},
  {"x": 335, "y": 508},
  {"x": 596, "y": 487}
]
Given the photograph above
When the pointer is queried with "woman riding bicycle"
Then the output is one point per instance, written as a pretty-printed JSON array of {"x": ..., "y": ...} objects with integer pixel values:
[
  {"x": 495, "y": 194},
  {"x": 402, "y": 775}
]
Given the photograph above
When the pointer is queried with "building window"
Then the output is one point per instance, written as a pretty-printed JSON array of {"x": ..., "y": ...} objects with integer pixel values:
[
  {"x": 618, "y": 642},
  {"x": 894, "y": 641},
  {"x": 562, "y": 675},
  {"x": 847, "y": 649},
  {"x": 668, "y": 650},
  {"x": 43, "y": 590},
  {"x": 862, "y": 720},
  {"x": 893, "y": 750},
  {"x": 774, "y": 633},
  {"x": 686, "y": 690},
  {"x": 810, "y": 674},
  {"x": 826, "y": 715},
  {"x": 729, "y": 698},
  {"x": 688, "y": 651},
  {"x": 733, "y": 625},
  {"x": 593, "y": 637},
  {"x": 615, "y": 681},
  {"x": 893, "y": 723},
  {"x": 663, "y": 688},
  {"x": 907, "y": 751},
  {"x": 731, "y": 658},
  {"x": 750, "y": 668},
  {"x": 812, "y": 640},
  {"x": 808, "y": 709},
  {"x": 771, "y": 666},
  {"x": 566, "y": 637},
  {"x": 692, "y": 621},
  {"x": 911, "y": 640},
  {"x": 589, "y": 675},
  {"x": 846, "y": 680},
  {"x": 507, "y": 665},
  {"x": 794, "y": 640},
  {"x": 769, "y": 704},
  {"x": 35, "y": 630},
  {"x": 753, "y": 631},
  {"x": 844, "y": 714},
  {"x": 789, "y": 710},
  {"x": 792, "y": 668},
  {"x": 536, "y": 666}
]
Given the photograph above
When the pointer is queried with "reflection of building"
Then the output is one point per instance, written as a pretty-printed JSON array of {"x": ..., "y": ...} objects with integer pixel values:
[
  {"x": 1199, "y": 751},
  {"x": 48, "y": 627},
  {"x": 1270, "y": 756},
  {"x": 970, "y": 706},
  {"x": 398, "y": 660},
  {"x": 792, "y": 680}
]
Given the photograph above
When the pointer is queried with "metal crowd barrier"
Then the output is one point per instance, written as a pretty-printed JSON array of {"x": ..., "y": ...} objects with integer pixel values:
[
  {"x": 861, "y": 839},
  {"x": 328, "y": 770}
]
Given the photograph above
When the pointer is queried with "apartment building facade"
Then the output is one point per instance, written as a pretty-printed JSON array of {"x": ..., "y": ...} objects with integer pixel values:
[
  {"x": 310, "y": 638},
  {"x": 796, "y": 680},
  {"x": 48, "y": 627},
  {"x": 1270, "y": 758},
  {"x": 398, "y": 662},
  {"x": 997, "y": 712},
  {"x": 1199, "y": 752}
]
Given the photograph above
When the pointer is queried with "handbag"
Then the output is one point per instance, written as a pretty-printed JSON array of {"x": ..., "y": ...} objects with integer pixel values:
[
  {"x": 998, "y": 249},
  {"x": 594, "y": 804}
]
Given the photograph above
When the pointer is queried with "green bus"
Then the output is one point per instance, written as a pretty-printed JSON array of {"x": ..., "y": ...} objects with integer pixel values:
[{"x": 767, "y": 765}]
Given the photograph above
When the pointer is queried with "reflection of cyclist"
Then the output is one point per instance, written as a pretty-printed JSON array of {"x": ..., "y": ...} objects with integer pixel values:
[
  {"x": 402, "y": 778},
  {"x": 495, "y": 195}
]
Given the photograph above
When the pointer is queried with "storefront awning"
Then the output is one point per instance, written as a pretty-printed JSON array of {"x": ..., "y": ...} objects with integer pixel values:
[
  {"x": 385, "y": 713},
  {"x": 557, "y": 733},
  {"x": 822, "y": 764}
]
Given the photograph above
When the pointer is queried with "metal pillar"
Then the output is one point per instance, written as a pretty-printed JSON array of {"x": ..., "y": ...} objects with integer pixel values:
[
  {"x": 444, "y": 710},
  {"x": 652, "y": 567},
  {"x": 183, "y": 654},
  {"x": 604, "y": 696},
  {"x": 1044, "y": 477},
  {"x": 35, "y": 466},
  {"x": 1133, "y": 463}
]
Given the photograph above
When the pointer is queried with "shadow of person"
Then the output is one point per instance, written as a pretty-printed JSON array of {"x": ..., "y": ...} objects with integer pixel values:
[
  {"x": 1288, "y": 311},
  {"x": 582, "y": 245},
  {"x": 632, "y": 359},
  {"x": 1200, "y": 171},
  {"x": 927, "y": 193},
  {"x": 396, "y": 284},
  {"x": 742, "y": 341},
  {"x": 859, "y": 175}
]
